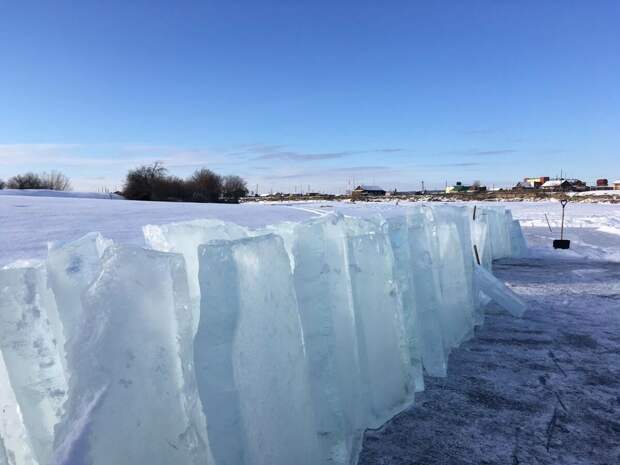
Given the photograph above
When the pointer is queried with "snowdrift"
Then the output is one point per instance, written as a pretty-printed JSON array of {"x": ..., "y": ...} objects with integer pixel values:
[
  {"x": 61, "y": 194},
  {"x": 223, "y": 345}
]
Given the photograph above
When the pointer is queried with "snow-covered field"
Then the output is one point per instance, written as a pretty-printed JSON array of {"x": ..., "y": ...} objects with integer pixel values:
[
  {"x": 27, "y": 223},
  {"x": 60, "y": 194},
  {"x": 265, "y": 382}
]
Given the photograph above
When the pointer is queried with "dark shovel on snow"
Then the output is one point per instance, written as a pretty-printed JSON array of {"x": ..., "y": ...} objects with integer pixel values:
[{"x": 562, "y": 243}]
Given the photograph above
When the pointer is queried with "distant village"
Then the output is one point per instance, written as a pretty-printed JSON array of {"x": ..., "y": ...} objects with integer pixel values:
[
  {"x": 529, "y": 187},
  {"x": 546, "y": 184}
]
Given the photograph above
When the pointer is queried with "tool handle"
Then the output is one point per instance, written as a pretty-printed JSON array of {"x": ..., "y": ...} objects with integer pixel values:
[{"x": 563, "y": 202}]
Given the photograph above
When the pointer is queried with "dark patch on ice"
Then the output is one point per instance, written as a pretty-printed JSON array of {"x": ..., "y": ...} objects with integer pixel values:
[
  {"x": 516, "y": 341},
  {"x": 602, "y": 379},
  {"x": 495, "y": 401},
  {"x": 56, "y": 393},
  {"x": 75, "y": 265},
  {"x": 125, "y": 382},
  {"x": 580, "y": 341}
]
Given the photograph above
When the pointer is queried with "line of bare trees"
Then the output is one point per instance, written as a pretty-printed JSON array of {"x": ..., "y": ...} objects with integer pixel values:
[
  {"x": 53, "y": 180},
  {"x": 153, "y": 182}
]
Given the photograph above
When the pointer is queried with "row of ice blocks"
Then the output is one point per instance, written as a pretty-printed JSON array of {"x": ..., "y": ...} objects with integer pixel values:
[{"x": 220, "y": 345}]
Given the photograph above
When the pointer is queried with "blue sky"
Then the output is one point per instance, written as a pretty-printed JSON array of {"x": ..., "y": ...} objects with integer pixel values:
[{"x": 291, "y": 94}]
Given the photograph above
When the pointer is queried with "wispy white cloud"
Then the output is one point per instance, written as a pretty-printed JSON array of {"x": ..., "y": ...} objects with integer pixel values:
[{"x": 279, "y": 153}]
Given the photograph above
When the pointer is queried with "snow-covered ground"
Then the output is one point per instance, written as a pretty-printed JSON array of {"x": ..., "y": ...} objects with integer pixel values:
[
  {"x": 61, "y": 194},
  {"x": 27, "y": 223}
]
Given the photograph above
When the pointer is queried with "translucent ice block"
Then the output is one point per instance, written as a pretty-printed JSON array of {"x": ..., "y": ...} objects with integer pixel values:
[
  {"x": 132, "y": 394},
  {"x": 387, "y": 375},
  {"x": 324, "y": 297},
  {"x": 184, "y": 238},
  {"x": 32, "y": 359},
  {"x": 498, "y": 292},
  {"x": 250, "y": 358},
  {"x": 71, "y": 268}
]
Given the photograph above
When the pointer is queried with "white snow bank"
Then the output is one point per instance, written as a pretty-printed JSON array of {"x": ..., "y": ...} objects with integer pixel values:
[
  {"x": 577, "y": 215},
  {"x": 609, "y": 229},
  {"x": 238, "y": 346},
  {"x": 597, "y": 193},
  {"x": 62, "y": 194}
]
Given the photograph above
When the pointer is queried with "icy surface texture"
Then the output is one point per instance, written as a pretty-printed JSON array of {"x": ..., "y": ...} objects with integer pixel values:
[
  {"x": 15, "y": 445},
  {"x": 398, "y": 232},
  {"x": 517, "y": 240},
  {"x": 32, "y": 363},
  {"x": 424, "y": 253},
  {"x": 328, "y": 318},
  {"x": 132, "y": 395},
  {"x": 250, "y": 359},
  {"x": 387, "y": 375},
  {"x": 235, "y": 346},
  {"x": 71, "y": 268},
  {"x": 184, "y": 238}
]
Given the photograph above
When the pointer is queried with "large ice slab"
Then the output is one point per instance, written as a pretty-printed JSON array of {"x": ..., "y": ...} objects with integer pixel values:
[
  {"x": 32, "y": 363},
  {"x": 249, "y": 356},
  {"x": 323, "y": 289},
  {"x": 518, "y": 246},
  {"x": 71, "y": 269},
  {"x": 457, "y": 307},
  {"x": 132, "y": 396},
  {"x": 15, "y": 444},
  {"x": 498, "y": 292},
  {"x": 424, "y": 253},
  {"x": 397, "y": 229},
  {"x": 388, "y": 380}
]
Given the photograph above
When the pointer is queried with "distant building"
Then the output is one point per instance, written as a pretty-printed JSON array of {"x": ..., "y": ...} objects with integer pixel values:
[
  {"x": 556, "y": 185},
  {"x": 364, "y": 191},
  {"x": 458, "y": 187},
  {"x": 523, "y": 185},
  {"x": 617, "y": 185},
  {"x": 601, "y": 185},
  {"x": 565, "y": 185},
  {"x": 533, "y": 183},
  {"x": 578, "y": 185}
]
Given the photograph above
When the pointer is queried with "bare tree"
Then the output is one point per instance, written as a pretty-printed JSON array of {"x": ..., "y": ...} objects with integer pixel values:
[
  {"x": 476, "y": 184},
  {"x": 25, "y": 181},
  {"x": 56, "y": 181},
  {"x": 234, "y": 187},
  {"x": 140, "y": 182},
  {"x": 152, "y": 182},
  {"x": 206, "y": 186}
]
